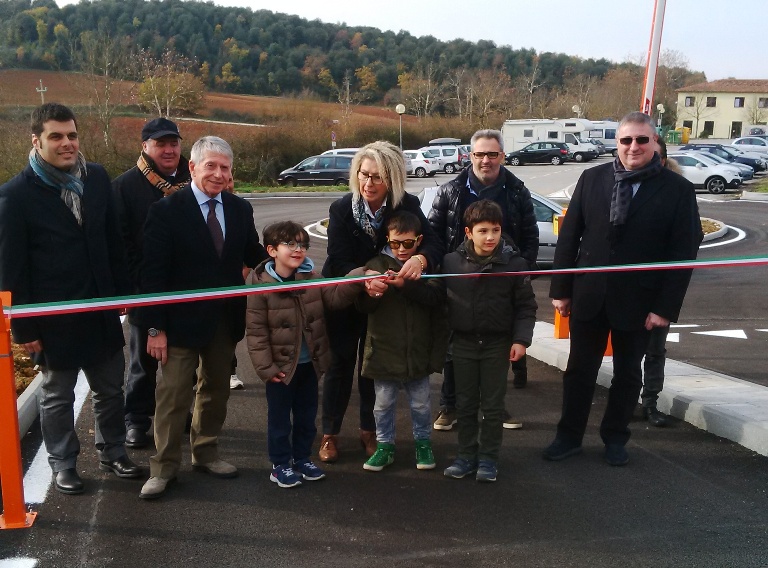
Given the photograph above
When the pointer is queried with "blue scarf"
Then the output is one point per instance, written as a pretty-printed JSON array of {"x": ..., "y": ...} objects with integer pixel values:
[{"x": 69, "y": 183}]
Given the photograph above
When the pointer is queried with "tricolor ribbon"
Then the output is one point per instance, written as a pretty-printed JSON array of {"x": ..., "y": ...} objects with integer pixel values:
[{"x": 137, "y": 300}]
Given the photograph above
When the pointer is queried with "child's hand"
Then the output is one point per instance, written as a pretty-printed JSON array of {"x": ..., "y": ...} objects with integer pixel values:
[
  {"x": 278, "y": 378},
  {"x": 375, "y": 288},
  {"x": 396, "y": 281},
  {"x": 517, "y": 352}
]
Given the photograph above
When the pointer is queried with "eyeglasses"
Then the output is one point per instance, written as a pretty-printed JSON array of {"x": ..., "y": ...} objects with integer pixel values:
[
  {"x": 641, "y": 140},
  {"x": 376, "y": 179},
  {"x": 481, "y": 155},
  {"x": 407, "y": 244},
  {"x": 295, "y": 245}
]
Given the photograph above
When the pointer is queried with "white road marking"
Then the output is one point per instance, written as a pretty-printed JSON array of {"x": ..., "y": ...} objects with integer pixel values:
[
  {"x": 673, "y": 338},
  {"x": 740, "y": 236},
  {"x": 676, "y": 325},
  {"x": 18, "y": 563},
  {"x": 310, "y": 229},
  {"x": 732, "y": 333}
]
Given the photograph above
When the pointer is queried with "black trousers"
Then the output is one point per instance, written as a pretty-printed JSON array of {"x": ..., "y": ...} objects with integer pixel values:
[
  {"x": 346, "y": 335},
  {"x": 588, "y": 342},
  {"x": 655, "y": 359}
]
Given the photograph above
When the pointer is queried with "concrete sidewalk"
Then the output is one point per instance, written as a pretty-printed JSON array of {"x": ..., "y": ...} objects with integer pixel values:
[{"x": 726, "y": 406}]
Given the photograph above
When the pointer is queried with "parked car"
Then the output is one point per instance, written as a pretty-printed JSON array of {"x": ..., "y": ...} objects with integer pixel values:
[
  {"x": 757, "y": 130},
  {"x": 601, "y": 148},
  {"x": 464, "y": 159},
  {"x": 729, "y": 153},
  {"x": 423, "y": 164},
  {"x": 745, "y": 171},
  {"x": 318, "y": 170},
  {"x": 715, "y": 178},
  {"x": 554, "y": 153},
  {"x": 340, "y": 152},
  {"x": 544, "y": 209},
  {"x": 447, "y": 157},
  {"x": 751, "y": 144}
]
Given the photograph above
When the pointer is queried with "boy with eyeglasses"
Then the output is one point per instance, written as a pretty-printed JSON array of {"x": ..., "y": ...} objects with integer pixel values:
[
  {"x": 288, "y": 345},
  {"x": 492, "y": 318},
  {"x": 405, "y": 342}
]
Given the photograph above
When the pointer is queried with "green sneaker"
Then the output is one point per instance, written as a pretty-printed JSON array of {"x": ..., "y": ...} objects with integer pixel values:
[
  {"x": 425, "y": 459},
  {"x": 381, "y": 458}
]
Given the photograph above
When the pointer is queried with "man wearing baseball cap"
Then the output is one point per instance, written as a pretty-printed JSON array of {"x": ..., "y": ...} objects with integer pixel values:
[{"x": 160, "y": 171}]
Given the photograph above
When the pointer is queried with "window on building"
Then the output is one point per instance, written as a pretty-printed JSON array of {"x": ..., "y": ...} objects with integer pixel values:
[
  {"x": 688, "y": 124},
  {"x": 738, "y": 102},
  {"x": 762, "y": 102},
  {"x": 711, "y": 101},
  {"x": 528, "y": 133},
  {"x": 709, "y": 127},
  {"x": 690, "y": 101}
]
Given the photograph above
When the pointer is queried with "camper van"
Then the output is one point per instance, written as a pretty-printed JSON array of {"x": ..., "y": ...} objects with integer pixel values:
[
  {"x": 519, "y": 133},
  {"x": 605, "y": 132}
]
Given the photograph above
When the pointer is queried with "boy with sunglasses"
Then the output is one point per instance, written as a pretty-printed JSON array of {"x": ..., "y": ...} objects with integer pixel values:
[
  {"x": 288, "y": 345},
  {"x": 491, "y": 317},
  {"x": 405, "y": 342}
]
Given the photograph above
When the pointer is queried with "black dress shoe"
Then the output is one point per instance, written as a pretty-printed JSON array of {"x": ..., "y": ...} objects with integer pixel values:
[
  {"x": 655, "y": 417},
  {"x": 67, "y": 481},
  {"x": 136, "y": 438},
  {"x": 560, "y": 450},
  {"x": 616, "y": 455},
  {"x": 122, "y": 467}
]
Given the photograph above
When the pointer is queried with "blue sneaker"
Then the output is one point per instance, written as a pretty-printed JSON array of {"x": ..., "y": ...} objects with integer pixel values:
[
  {"x": 308, "y": 470},
  {"x": 486, "y": 471},
  {"x": 284, "y": 476},
  {"x": 460, "y": 468}
]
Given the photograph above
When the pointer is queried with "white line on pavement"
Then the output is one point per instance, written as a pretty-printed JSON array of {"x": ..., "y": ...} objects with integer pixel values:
[{"x": 740, "y": 236}]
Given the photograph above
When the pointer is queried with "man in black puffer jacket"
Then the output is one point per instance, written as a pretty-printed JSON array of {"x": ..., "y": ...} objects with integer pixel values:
[{"x": 486, "y": 179}]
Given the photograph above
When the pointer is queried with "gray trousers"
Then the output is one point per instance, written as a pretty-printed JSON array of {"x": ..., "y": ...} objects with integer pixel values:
[
  {"x": 653, "y": 368},
  {"x": 57, "y": 415}
]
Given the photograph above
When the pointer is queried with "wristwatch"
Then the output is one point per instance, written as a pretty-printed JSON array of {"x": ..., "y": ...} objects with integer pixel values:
[{"x": 154, "y": 332}]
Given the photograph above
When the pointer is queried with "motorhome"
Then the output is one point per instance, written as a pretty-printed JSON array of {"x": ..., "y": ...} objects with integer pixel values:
[
  {"x": 605, "y": 132},
  {"x": 520, "y": 133}
]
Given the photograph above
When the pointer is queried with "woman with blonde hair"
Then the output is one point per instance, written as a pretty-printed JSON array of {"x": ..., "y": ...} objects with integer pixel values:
[{"x": 356, "y": 233}]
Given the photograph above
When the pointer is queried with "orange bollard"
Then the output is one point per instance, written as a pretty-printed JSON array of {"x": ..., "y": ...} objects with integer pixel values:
[
  {"x": 15, "y": 515},
  {"x": 563, "y": 331}
]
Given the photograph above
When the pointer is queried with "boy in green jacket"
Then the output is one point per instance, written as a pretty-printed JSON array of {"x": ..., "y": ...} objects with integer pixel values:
[{"x": 405, "y": 342}]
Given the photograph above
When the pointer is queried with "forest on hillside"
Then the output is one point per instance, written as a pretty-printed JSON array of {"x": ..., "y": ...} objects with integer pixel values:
[{"x": 239, "y": 50}]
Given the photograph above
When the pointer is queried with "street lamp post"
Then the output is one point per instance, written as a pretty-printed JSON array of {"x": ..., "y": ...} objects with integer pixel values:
[
  {"x": 660, "y": 108},
  {"x": 400, "y": 109}
]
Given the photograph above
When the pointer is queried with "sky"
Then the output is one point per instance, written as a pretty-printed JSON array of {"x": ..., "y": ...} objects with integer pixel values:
[{"x": 704, "y": 31}]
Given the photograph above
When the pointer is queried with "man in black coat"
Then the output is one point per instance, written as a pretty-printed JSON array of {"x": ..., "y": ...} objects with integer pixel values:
[
  {"x": 630, "y": 211},
  {"x": 160, "y": 171},
  {"x": 198, "y": 238},
  {"x": 59, "y": 242},
  {"x": 486, "y": 179}
]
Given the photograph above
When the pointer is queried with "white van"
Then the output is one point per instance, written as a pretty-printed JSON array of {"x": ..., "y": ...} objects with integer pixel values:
[
  {"x": 605, "y": 132},
  {"x": 448, "y": 157}
]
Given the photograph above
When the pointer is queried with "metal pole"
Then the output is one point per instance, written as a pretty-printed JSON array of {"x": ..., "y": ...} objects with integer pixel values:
[
  {"x": 401, "y": 132},
  {"x": 653, "y": 56},
  {"x": 14, "y": 514}
]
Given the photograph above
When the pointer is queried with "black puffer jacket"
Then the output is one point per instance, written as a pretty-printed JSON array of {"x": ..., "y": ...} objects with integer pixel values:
[
  {"x": 490, "y": 305},
  {"x": 519, "y": 219}
]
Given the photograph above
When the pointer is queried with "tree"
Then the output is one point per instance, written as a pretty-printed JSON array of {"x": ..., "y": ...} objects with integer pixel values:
[
  {"x": 530, "y": 83},
  {"x": 105, "y": 62},
  {"x": 755, "y": 113},
  {"x": 421, "y": 90},
  {"x": 169, "y": 84}
]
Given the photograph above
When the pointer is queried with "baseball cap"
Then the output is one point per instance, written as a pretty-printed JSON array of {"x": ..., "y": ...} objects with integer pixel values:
[{"x": 158, "y": 128}]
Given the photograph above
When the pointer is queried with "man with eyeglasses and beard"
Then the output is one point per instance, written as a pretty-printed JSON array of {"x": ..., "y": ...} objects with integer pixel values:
[
  {"x": 486, "y": 179},
  {"x": 630, "y": 211}
]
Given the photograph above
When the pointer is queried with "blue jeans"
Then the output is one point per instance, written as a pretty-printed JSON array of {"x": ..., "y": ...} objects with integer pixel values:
[
  {"x": 386, "y": 401},
  {"x": 299, "y": 397}
]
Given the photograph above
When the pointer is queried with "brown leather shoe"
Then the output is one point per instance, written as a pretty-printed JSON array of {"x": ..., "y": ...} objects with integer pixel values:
[
  {"x": 368, "y": 440},
  {"x": 328, "y": 453}
]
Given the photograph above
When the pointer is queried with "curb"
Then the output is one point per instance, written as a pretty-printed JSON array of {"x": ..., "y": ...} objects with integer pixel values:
[
  {"x": 717, "y": 234},
  {"x": 722, "y": 405},
  {"x": 26, "y": 405},
  {"x": 754, "y": 196}
]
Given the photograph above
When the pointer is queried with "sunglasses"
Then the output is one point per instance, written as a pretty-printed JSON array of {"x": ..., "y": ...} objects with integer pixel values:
[
  {"x": 481, "y": 155},
  {"x": 295, "y": 245},
  {"x": 641, "y": 140},
  {"x": 407, "y": 244}
]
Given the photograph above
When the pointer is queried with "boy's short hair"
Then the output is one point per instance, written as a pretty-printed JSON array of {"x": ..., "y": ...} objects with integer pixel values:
[
  {"x": 50, "y": 111},
  {"x": 284, "y": 231},
  {"x": 483, "y": 211},
  {"x": 404, "y": 222}
]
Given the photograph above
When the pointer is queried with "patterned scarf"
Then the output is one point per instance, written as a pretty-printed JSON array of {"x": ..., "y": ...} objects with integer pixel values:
[
  {"x": 70, "y": 183},
  {"x": 363, "y": 221},
  {"x": 147, "y": 167},
  {"x": 622, "y": 187}
]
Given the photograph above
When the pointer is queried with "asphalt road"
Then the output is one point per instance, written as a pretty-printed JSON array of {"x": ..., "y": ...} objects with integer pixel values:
[{"x": 687, "y": 499}]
